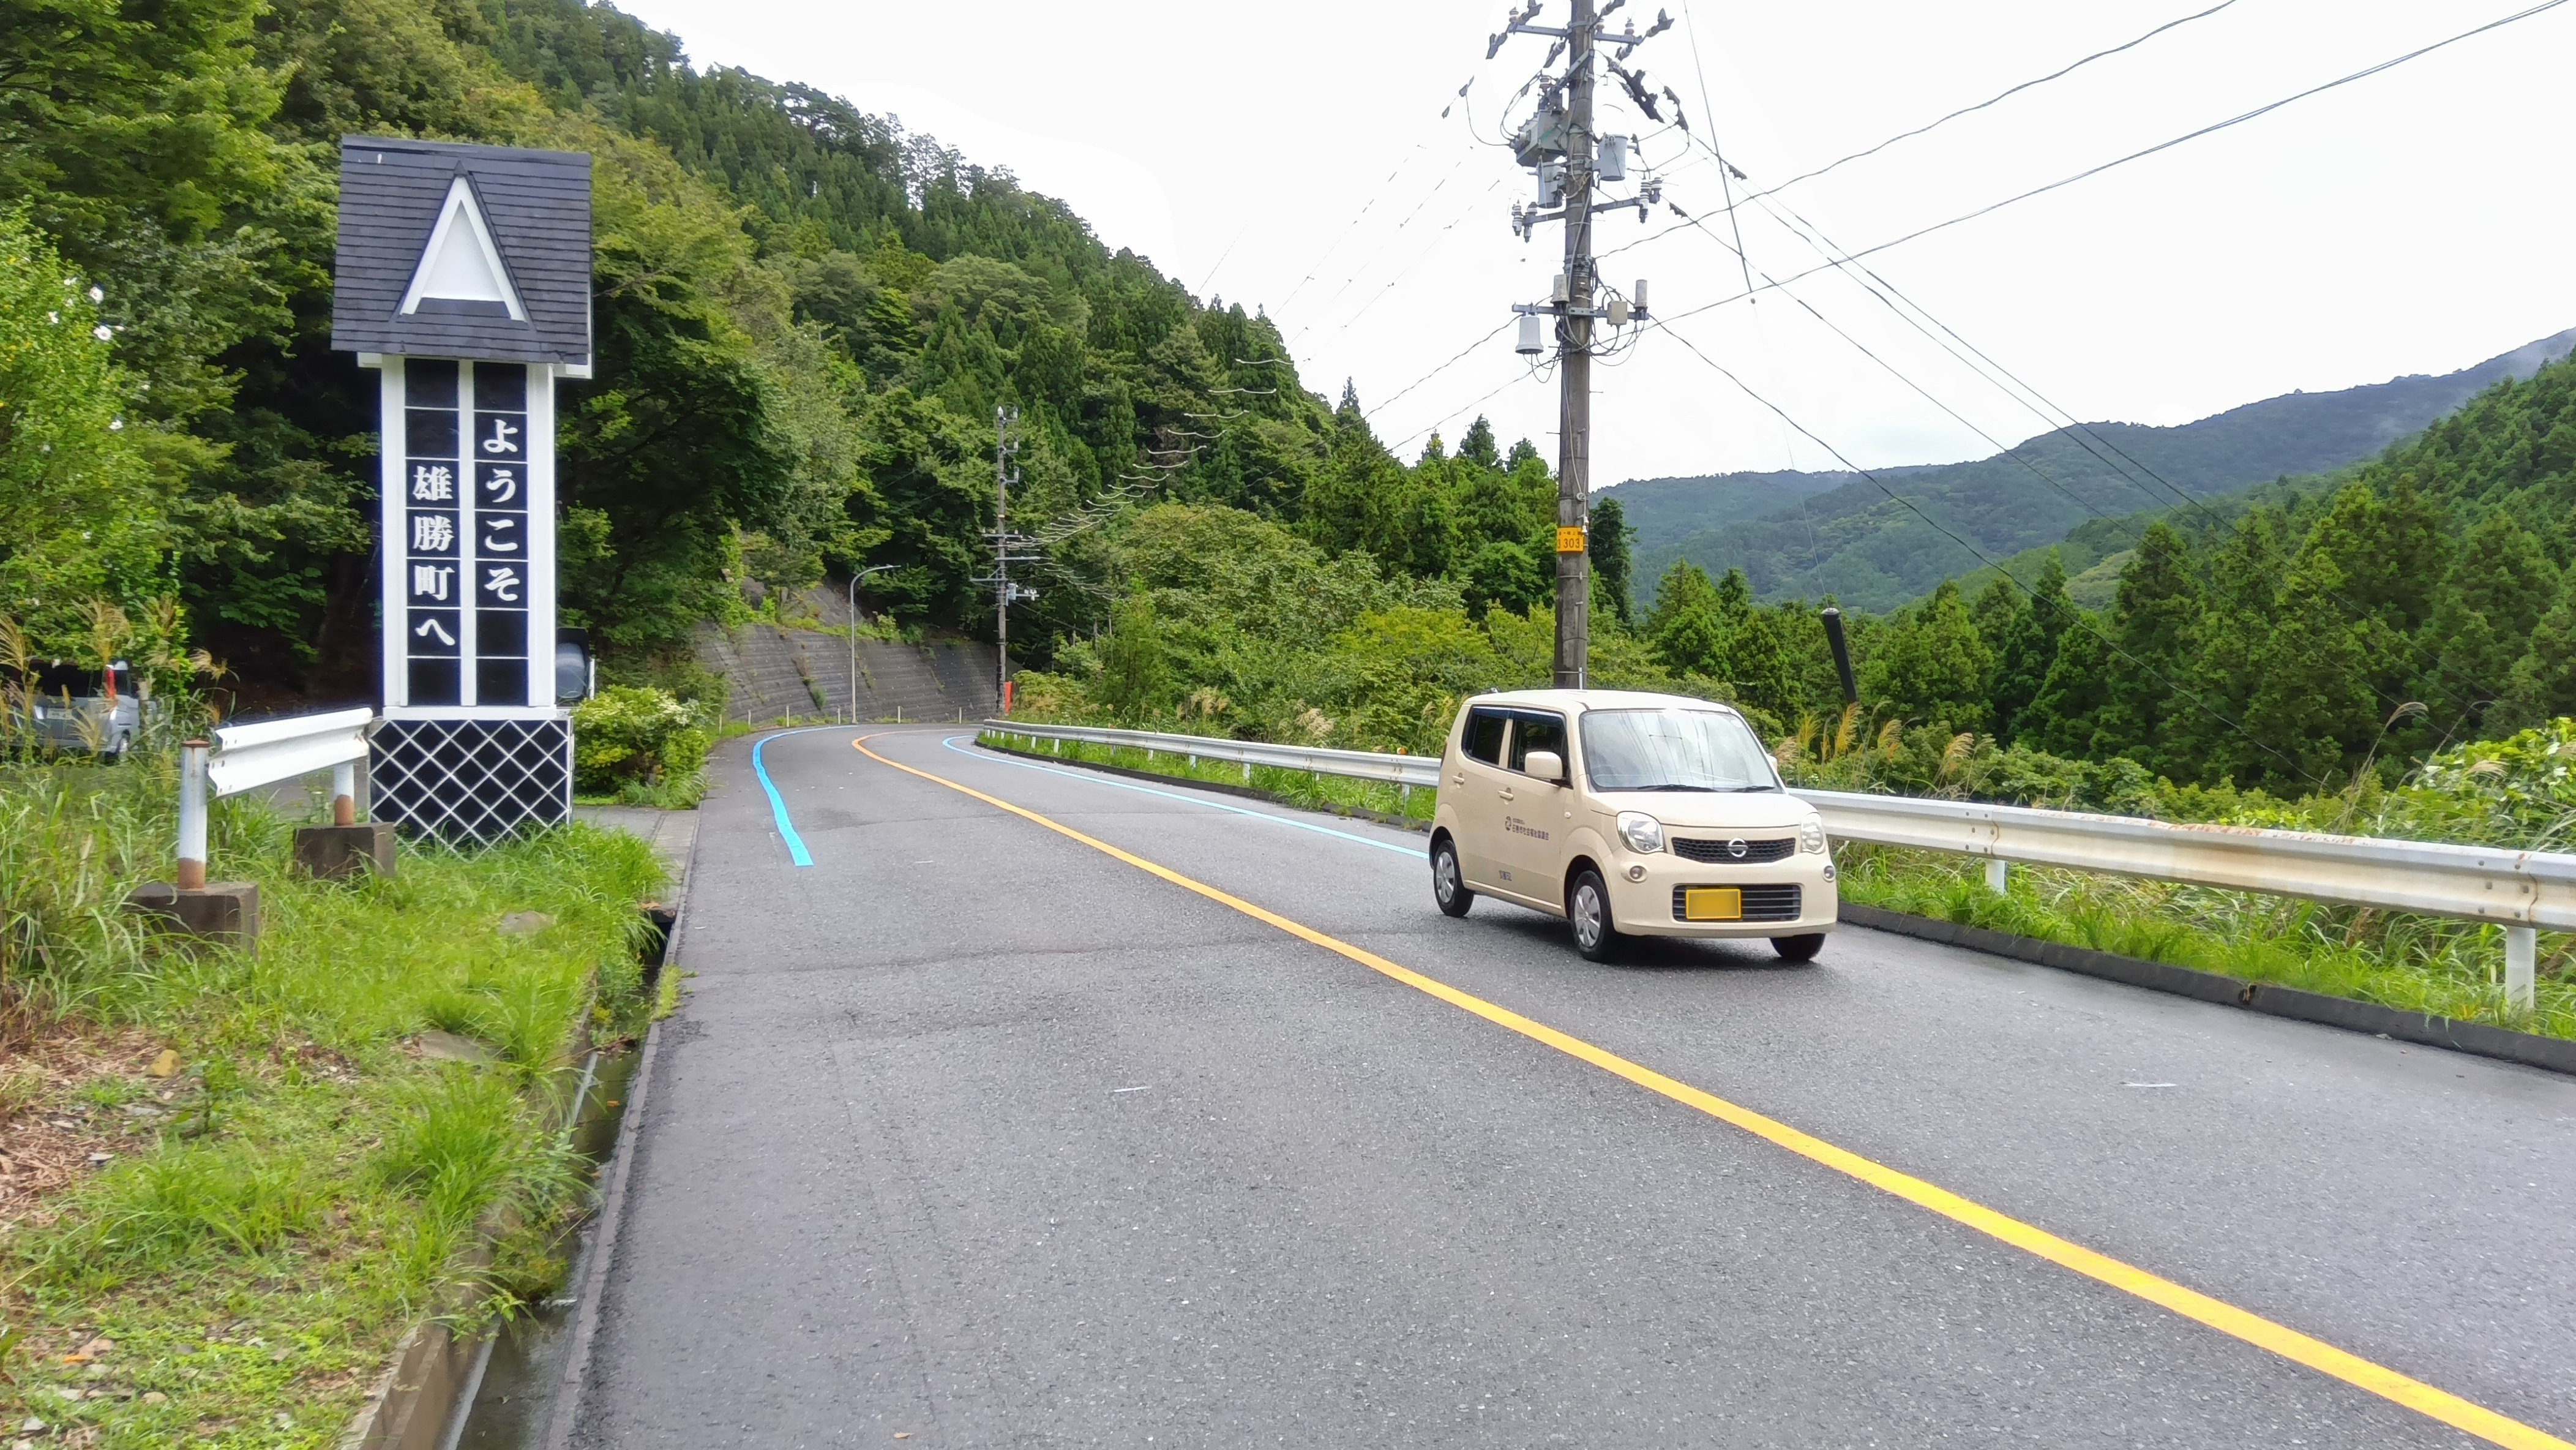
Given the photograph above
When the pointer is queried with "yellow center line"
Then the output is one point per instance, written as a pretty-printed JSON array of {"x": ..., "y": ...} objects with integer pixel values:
[{"x": 2226, "y": 1318}]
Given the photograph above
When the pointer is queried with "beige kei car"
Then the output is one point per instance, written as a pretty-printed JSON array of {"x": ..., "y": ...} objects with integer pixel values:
[{"x": 1629, "y": 815}]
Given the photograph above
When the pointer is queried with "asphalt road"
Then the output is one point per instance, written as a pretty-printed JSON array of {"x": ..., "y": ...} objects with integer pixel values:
[{"x": 972, "y": 1133}]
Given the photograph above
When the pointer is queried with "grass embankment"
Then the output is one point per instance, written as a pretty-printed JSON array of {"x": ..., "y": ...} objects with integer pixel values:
[
  {"x": 2412, "y": 963},
  {"x": 233, "y": 1181},
  {"x": 1337, "y": 794}
]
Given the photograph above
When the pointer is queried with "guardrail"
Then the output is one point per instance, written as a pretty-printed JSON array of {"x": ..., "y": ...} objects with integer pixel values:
[
  {"x": 2519, "y": 890},
  {"x": 1409, "y": 771},
  {"x": 244, "y": 757}
]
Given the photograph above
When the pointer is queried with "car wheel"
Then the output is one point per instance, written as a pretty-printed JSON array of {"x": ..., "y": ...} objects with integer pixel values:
[
  {"x": 1587, "y": 908},
  {"x": 1447, "y": 886},
  {"x": 1798, "y": 948}
]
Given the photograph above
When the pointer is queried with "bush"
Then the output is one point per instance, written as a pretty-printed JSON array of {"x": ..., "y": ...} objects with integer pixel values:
[{"x": 635, "y": 734}]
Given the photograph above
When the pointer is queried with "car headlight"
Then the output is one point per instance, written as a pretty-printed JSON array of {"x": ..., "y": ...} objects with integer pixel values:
[
  {"x": 1811, "y": 835},
  {"x": 1643, "y": 833}
]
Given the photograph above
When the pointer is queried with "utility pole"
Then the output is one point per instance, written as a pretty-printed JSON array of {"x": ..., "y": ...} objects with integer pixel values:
[
  {"x": 1005, "y": 449},
  {"x": 1574, "y": 398},
  {"x": 1562, "y": 146}
]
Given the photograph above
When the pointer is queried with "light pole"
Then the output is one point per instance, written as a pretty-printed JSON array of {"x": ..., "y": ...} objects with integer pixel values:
[{"x": 854, "y": 636}]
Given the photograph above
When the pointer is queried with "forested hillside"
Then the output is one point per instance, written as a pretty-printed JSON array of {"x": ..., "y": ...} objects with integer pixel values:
[
  {"x": 2288, "y": 639},
  {"x": 805, "y": 318},
  {"x": 1849, "y": 539}
]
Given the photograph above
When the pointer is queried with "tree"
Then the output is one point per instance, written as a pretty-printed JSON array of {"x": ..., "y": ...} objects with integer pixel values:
[
  {"x": 2063, "y": 717},
  {"x": 1608, "y": 545},
  {"x": 1136, "y": 675},
  {"x": 1933, "y": 666},
  {"x": 80, "y": 511},
  {"x": 2310, "y": 712},
  {"x": 2024, "y": 640},
  {"x": 1686, "y": 629},
  {"x": 2236, "y": 626},
  {"x": 2154, "y": 626},
  {"x": 2542, "y": 684},
  {"x": 1762, "y": 667}
]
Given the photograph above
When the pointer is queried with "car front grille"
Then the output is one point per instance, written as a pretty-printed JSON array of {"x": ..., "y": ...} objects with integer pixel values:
[
  {"x": 1772, "y": 902},
  {"x": 1716, "y": 853}
]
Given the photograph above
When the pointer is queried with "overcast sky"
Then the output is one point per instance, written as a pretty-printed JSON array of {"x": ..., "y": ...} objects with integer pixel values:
[{"x": 1294, "y": 157}]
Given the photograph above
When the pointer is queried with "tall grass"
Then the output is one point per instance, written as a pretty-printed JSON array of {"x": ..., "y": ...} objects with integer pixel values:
[
  {"x": 305, "y": 1171},
  {"x": 2412, "y": 963}
]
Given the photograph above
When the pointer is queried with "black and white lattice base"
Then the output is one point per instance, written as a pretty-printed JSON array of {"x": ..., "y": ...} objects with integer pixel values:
[{"x": 472, "y": 781}]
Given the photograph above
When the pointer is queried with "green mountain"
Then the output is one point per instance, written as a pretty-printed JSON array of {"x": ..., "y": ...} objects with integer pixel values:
[{"x": 1839, "y": 534}]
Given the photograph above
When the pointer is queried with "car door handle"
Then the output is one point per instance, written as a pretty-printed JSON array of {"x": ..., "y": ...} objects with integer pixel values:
[
  {"x": 1507, "y": 796},
  {"x": 1459, "y": 779}
]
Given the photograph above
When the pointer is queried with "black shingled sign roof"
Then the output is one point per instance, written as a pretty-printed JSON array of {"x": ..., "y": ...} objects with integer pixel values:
[{"x": 537, "y": 204}]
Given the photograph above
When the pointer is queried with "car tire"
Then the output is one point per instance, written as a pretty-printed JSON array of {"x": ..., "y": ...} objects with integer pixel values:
[
  {"x": 1587, "y": 910},
  {"x": 1448, "y": 887},
  {"x": 1799, "y": 948}
]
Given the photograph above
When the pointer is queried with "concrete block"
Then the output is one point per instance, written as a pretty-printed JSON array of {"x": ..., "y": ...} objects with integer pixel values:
[
  {"x": 226, "y": 912},
  {"x": 336, "y": 853}
]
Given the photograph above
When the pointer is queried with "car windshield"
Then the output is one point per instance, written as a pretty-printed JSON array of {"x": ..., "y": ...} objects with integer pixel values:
[{"x": 1673, "y": 750}]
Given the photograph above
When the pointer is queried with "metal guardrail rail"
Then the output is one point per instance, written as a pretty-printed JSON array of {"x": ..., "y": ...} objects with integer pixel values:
[
  {"x": 245, "y": 757},
  {"x": 2520, "y": 890},
  {"x": 1421, "y": 771},
  {"x": 2475, "y": 883}
]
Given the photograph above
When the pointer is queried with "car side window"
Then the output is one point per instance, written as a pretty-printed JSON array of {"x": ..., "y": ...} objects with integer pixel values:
[
  {"x": 1484, "y": 738},
  {"x": 1536, "y": 732}
]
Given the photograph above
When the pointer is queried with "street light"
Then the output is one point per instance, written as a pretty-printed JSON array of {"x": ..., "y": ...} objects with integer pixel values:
[{"x": 854, "y": 636}]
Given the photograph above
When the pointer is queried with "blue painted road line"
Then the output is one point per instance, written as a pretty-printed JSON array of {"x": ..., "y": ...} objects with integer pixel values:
[
  {"x": 778, "y": 808},
  {"x": 1086, "y": 776}
]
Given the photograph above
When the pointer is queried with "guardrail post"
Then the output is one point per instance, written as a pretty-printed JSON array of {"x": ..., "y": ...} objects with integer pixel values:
[
  {"x": 344, "y": 793},
  {"x": 1998, "y": 874},
  {"x": 192, "y": 817},
  {"x": 2521, "y": 958}
]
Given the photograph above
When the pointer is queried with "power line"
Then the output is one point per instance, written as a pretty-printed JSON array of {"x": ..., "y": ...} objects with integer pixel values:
[
  {"x": 1708, "y": 118},
  {"x": 2238, "y": 120},
  {"x": 2075, "y": 429},
  {"x": 1979, "y": 555},
  {"x": 1997, "y": 98}
]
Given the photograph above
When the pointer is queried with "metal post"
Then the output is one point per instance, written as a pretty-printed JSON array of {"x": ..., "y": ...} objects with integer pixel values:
[
  {"x": 1003, "y": 418},
  {"x": 1834, "y": 640},
  {"x": 192, "y": 816},
  {"x": 2521, "y": 959},
  {"x": 1574, "y": 351},
  {"x": 1998, "y": 873},
  {"x": 344, "y": 793}
]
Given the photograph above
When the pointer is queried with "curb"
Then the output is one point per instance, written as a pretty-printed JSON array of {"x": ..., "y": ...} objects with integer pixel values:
[
  {"x": 1363, "y": 813},
  {"x": 422, "y": 1401},
  {"x": 2550, "y": 1054},
  {"x": 565, "y": 1411}
]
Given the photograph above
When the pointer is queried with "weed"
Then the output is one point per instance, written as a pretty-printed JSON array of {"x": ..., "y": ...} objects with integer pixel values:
[
  {"x": 2412, "y": 963},
  {"x": 313, "y": 1185},
  {"x": 20, "y": 1091}
]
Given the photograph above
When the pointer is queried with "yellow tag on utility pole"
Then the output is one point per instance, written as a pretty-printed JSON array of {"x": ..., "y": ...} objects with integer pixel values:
[{"x": 1569, "y": 541}]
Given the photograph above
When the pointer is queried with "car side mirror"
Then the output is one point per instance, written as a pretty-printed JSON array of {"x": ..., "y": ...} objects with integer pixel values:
[{"x": 1547, "y": 765}]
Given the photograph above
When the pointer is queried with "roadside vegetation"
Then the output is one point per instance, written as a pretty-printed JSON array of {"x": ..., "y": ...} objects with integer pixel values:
[{"x": 231, "y": 1181}]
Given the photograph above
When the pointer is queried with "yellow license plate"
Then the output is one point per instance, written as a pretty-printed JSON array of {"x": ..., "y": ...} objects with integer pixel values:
[{"x": 1713, "y": 903}]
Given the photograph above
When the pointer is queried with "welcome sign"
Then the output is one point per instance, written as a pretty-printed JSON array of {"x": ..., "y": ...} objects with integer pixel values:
[{"x": 463, "y": 279}]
